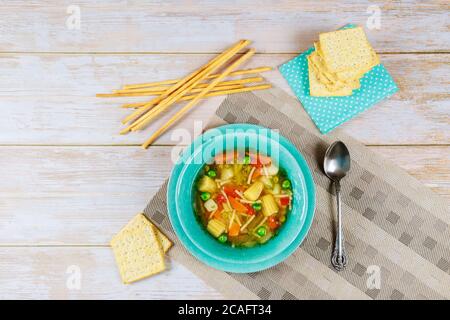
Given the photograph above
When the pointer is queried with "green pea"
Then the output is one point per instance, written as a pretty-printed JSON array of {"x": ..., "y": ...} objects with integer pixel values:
[
  {"x": 257, "y": 206},
  {"x": 247, "y": 160},
  {"x": 212, "y": 173},
  {"x": 205, "y": 196},
  {"x": 261, "y": 231},
  {"x": 282, "y": 219},
  {"x": 286, "y": 184},
  {"x": 222, "y": 238}
]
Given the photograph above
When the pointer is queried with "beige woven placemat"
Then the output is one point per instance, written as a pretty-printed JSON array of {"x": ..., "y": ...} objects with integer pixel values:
[{"x": 397, "y": 231}]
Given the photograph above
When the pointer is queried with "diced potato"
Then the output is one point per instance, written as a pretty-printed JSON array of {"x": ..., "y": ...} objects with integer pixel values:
[
  {"x": 254, "y": 191},
  {"x": 216, "y": 227},
  {"x": 276, "y": 189},
  {"x": 211, "y": 205},
  {"x": 207, "y": 184},
  {"x": 227, "y": 173},
  {"x": 269, "y": 205},
  {"x": 267, "y": 181}
]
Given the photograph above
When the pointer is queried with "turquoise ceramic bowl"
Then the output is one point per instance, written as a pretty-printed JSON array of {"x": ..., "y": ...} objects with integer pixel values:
[{"x": 181, "y": 191}]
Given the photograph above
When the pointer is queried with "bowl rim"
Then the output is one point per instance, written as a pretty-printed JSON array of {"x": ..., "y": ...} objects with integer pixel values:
[
  {"x": 203, "y": 240},
  {"x": 231, "y": 265}
]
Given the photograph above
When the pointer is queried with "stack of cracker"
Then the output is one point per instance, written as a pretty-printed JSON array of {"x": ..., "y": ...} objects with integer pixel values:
[
  {"x": 139, "y": 249},
  {"x": 340, "y": 60}
]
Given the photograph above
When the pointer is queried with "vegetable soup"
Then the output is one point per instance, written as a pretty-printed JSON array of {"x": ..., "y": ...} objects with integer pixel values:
[{"x": 242, "y": 199}]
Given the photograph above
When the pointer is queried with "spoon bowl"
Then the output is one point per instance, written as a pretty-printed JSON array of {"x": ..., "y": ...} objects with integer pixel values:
[{"x": 336, "y": 163}]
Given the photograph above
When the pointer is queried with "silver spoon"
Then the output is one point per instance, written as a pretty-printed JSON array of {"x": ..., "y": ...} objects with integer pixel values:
[{"x": 336, "y": 164}]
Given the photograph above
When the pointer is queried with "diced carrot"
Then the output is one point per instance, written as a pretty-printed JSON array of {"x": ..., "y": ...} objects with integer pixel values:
[
  {"x": 259, "y": 160},
  {"x": 264, "y": 160},
  {"x": 217, "y": 214},
  {"x": 256, "y": 174},
  {"x": 226, "y": 157},
  {"x": 239, "y": 207},
  {"x": 229, "y": 190},
  {"x": 234, "y": 230}
]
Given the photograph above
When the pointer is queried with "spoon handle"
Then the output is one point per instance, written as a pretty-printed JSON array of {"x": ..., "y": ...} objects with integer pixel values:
[{"x": 339, "y": 257}]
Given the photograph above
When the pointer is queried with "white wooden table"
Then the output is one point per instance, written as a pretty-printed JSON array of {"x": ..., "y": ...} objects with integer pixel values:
[{"x": 69, "y": 182}]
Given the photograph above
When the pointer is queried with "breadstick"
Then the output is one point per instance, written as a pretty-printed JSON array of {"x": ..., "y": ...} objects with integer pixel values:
[
  {"x": 140, "y": 122},
  {"x": 211, "y": 94},
  {"x": 193, "y": 102},
  {"x": 186, "y": 81},
  {"x": 235, "y": 73}
]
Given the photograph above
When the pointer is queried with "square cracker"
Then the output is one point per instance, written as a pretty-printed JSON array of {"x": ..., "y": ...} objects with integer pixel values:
[
  {"x": 351, "y": 75},
  {"x": 137, "y": 250},
  {"x": 318, "y": 89},
  {"x": 333, "y": 81},
  {"x": 345, "y": 76},
  {"x": 166, "y": 244},
  {"x": 346, "y": 49},
  {"x": 323, "y": 74}
]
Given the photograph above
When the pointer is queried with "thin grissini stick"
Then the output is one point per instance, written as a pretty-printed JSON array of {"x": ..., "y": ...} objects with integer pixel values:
[
  {"x": 211, "y": 94},
  {"x": 156, "y": 89},
  {"x": 160, "y": 90},
  {"x": 200, "y": 85},
  {"x": 156, "y": 93},
  {"x": 212, "y": 76},
  {"x": 228, "y": 87},
  {"x": 212, "y": 65},
  {"x": 232, "y": 84},
  {"x": 143, "y": 119},
  {"x": 193, "y": 102},
  {"x": 188, "y": 79}
]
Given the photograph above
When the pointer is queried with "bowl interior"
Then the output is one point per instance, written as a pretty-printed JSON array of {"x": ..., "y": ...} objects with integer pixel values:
[{"x": 193, "y": 160}]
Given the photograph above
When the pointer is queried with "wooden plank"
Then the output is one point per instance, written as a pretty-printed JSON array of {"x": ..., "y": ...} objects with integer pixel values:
[
  {"x": 50, "y": 99},
  {"x": 85, "y": 195},
  {"x": 430, "y": 165},
  {"x": 55, "y": 191},
  {"x": 209, "y": 26},
  {"x": 52, "y": 273}
]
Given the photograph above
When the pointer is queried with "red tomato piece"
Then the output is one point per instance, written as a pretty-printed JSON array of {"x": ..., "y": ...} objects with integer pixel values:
[
  {"x": 221, "y": 199},
  {"x": 250, "y": 209},
  {"x": 284, "y": 201},
  {"x": 273, "y": 223},
  {"x": 229, "y": 190}
]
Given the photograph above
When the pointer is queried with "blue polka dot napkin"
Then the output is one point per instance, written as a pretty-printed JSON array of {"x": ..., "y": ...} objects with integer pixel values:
[{"x": 330, "y": 112}]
